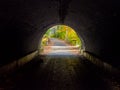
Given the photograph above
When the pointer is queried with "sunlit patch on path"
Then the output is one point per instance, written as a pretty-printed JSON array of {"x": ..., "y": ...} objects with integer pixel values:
[{"x": 60, "y": 47}]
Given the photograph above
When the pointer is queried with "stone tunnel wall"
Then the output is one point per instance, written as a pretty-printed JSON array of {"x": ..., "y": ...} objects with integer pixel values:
[{"x": 23, "y": 23}]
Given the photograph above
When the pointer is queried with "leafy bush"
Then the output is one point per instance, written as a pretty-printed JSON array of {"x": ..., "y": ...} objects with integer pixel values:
[{"x": 62, "y": 32}]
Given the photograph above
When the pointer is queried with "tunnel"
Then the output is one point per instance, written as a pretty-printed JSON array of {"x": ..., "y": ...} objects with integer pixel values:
[{"x": 24, "y": 22}]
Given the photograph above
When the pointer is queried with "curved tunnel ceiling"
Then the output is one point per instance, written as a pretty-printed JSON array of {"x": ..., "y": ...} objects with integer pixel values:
[{"x": 23, "y": 23}]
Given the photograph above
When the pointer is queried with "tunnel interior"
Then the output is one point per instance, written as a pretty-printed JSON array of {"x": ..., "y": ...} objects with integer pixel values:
[
  {"x": 23, "y": 23},
  {"x": 22, "y": 26}
]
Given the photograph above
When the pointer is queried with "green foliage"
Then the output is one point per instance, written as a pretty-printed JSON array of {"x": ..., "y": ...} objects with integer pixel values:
[{"x": 62, "y": 32}]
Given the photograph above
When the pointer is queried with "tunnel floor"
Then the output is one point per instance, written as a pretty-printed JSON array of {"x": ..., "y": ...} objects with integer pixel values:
[
  {"x": 57, "y": 73},
  {"x": 57, "y": 70}
]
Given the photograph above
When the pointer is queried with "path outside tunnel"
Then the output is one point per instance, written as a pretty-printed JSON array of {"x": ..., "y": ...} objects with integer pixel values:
[
  {"x": 60, "y": 47},
  {"x": 58, "y": 72},
  {"x": 58, "y": 42}
]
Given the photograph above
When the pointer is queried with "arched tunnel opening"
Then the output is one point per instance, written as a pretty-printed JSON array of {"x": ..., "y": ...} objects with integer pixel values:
[
  {"x": 23, "y": 24},
  {"x": 60, "y": 40}
]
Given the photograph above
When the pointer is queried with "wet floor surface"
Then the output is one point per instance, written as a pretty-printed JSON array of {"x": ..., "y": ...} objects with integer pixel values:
[{"x": 56, "y": 72}]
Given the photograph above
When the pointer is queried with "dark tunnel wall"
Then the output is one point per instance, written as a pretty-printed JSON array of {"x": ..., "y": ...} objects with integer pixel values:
[{"x": 23, "y": 22}]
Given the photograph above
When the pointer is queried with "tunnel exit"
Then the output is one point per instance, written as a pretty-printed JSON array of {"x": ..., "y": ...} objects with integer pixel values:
[{"x": 60, "y": 40}]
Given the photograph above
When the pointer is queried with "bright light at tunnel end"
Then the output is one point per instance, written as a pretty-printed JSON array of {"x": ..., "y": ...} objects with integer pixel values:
[{"x": 60, "y": 40}]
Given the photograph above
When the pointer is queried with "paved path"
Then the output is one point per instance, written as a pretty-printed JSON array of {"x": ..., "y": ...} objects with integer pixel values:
[
  {"x": 60, "y": 47},
  {"x": 58, "y": 70},
  {"x": 58, "y": 42},
  {"x": 58, "y": 73}
]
